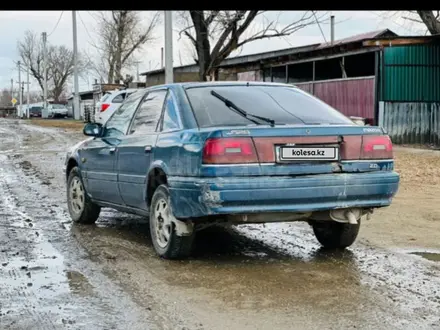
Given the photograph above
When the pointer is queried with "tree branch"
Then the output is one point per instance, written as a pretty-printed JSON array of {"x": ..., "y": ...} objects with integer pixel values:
[{"x": 430, "y": 21}]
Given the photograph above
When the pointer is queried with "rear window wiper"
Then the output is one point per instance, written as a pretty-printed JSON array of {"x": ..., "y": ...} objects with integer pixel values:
[{"x": 240, "y": 111}]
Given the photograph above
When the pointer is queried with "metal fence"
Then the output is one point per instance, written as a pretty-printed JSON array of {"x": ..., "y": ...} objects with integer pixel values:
[
  {"x": 411, "y": 123},
  {"x": 351, "y": 96},
  {"x": 89, "y": 113}
]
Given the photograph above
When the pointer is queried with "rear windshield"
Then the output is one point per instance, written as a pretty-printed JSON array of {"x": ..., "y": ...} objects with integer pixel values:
[
  {"x": 286, "y": 105},
  {"x": 104, "y": 97},
  {"x": 58, "y": 106}
]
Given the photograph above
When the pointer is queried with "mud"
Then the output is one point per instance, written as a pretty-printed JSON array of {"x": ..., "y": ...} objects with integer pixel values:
[{"x": 107, "y": 276}]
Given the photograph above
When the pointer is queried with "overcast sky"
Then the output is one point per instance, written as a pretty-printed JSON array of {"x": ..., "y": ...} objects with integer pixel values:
[{"x": 15, "y": 23}]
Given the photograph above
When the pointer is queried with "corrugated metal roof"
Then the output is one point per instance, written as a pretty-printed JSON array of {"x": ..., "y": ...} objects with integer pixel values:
[
  {"x": 358, "y": 38},
  {"x": 283, "y": 52}
]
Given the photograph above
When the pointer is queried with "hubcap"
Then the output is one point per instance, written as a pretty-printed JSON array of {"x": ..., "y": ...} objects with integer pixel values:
[
  {"x": 162, "y": 223},
  {"x": 76, "y": 195}
]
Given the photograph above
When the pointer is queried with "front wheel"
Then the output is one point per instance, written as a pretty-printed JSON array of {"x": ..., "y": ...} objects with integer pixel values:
[
  {"x": 162, "y": 228},
  {"x": 81, "y": 208},
  {"x": 332, "y": 234}
]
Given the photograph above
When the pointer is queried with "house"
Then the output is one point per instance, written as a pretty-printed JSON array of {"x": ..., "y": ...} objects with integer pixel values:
[{"x": 390, "y": 80}]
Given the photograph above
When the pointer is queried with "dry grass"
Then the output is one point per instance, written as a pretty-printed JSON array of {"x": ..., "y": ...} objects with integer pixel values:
[
  {"x": 417, "y": 166},
  {"x": 75, "y": 125},
  {"x": 413, "y": 219}
]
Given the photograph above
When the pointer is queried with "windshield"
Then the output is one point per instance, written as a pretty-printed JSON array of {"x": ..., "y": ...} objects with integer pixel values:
[{"x": 285, "y": 105}]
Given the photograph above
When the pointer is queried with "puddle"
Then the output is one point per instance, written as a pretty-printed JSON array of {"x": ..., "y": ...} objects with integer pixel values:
[
  {"x": 78, "y": 283},
  {"x": 428, "y": 255}
]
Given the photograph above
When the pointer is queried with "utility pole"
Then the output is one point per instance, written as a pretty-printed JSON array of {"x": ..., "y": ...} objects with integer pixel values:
[
  {"x": 76, "y": 110},
  {"x": 168, "y": 47},
  {"x": 45, "y": 70},
  {"x": 137, "y": 71},
  {"x": 12, "y": 88},
  {"x": 27, "y": 96},
  {"x": 20, "y": 95},
  {"x": 22, "y": 90},
  {"x": 332, "y": 29}
]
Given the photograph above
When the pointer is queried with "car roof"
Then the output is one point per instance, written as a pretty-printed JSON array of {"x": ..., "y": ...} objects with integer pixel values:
[
  {"x": 195, "y": 84},
  {"x": 125, "y": 90},
  {"x": 221, "y": 83}
]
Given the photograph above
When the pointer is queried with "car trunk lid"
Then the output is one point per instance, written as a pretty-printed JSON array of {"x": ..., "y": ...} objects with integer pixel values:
[{"x": 296, "y": 150}]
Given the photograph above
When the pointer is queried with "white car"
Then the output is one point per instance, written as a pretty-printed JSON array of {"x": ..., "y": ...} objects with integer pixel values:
[
  {"x": 109, "y": 103},
  {"x": 57, "y": 110}
]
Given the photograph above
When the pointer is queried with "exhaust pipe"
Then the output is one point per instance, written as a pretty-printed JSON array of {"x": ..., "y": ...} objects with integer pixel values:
[{"x": 350, "y": 216}]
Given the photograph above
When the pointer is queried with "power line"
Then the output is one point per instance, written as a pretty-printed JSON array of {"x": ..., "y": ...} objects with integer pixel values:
[
  {"x": 59, "y": 19},
  {"x": 319, "y": 25},
  {"x": 85, "y": 27}
]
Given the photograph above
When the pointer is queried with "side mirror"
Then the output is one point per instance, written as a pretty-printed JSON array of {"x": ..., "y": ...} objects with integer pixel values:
[{"x": 92, "y": 129}]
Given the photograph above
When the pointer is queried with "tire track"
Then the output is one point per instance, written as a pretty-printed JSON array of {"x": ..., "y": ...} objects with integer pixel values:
[{"x": 48, "y": 281}]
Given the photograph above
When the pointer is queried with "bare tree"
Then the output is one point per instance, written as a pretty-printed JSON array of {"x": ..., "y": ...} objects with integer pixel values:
[
  {"x": 414, "y": 21},
  {"x": 31, "y": 53},
  {"x": 121, "y": 34},
  {"x": 216, "y": 34},
  {"x": 431, "y": 20},
  {"x": 5, "y": 97},
  {"x": 59, "y": 63}
]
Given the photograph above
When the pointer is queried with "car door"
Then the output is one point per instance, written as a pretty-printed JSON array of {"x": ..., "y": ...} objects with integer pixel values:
[
  {"x": 135, "y": 149},
  {"x": 100, "y": 155}
]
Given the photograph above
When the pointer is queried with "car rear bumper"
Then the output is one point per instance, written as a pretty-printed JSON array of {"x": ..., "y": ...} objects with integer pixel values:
[{"x": 198, "y": 197}]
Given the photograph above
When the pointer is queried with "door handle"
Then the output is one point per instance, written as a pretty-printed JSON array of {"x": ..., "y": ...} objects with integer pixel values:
[
  {"x": 112, "y": 150},
  {"x": 148, "y": 149}
]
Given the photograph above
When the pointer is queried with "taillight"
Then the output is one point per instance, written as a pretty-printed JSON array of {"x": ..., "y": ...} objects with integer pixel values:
[
  {"x": 377, "y": 147},
  {"x": 229, "y": 151},
  {"x": 104, "y": 106}
]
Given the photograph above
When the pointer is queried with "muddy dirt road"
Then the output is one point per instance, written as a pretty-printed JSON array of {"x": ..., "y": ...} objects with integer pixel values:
[{"x": 56, "y": 275}]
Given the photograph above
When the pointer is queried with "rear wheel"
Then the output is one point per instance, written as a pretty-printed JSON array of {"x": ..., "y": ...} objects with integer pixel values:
[
  {"x": 332, "y": 234},
  {"x": 81, "y": 208},
  {"x": 162, "y": 228}
]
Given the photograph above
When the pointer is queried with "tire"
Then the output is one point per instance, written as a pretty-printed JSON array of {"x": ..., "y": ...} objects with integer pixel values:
[
  {"x": 335, "y": 235},
  {"x": 173, "y": 247},
  {"x": 82, "y": 210}
]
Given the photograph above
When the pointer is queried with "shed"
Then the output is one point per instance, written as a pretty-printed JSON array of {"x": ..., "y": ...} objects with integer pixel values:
[
  {"x": 409, "y": 93},
  {"x": 341, "y": 73},
  {"x": 392, "y": 81},
  {"x": 85, "y": 98}
]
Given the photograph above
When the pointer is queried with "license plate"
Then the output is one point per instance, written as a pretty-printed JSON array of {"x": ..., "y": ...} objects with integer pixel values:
[{"x": 309, "y": 153}]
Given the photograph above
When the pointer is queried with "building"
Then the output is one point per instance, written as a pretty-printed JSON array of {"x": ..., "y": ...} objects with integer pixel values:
[
  {"x": 8, "y": 111},
  {"x": 85, "y": 99},
  {"x": 378, "y": 75}
]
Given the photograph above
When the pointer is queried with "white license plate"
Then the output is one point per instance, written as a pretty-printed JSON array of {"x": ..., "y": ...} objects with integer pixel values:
[{"x": 309, "y": 153}]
